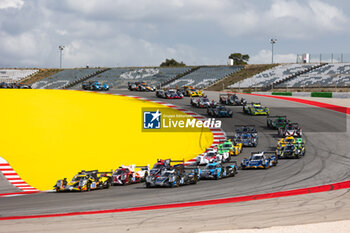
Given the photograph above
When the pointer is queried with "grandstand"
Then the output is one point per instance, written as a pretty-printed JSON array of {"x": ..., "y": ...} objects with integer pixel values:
[
  {"x": 325, "y": 76},
  {"x": 204, "y": 76},
  {"x": 273, "y": 75},
  {"x": 63, "y": 78},
  {"x": 119, "y": 77},
  {"x": 15, "y": 75}
]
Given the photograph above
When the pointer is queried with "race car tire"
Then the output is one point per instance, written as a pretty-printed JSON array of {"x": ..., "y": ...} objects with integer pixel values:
[
  {"x": 88, "y": 187},
  {"x": 129, "y": 179},
  {"x": 148, "y": 185},
  {"x": 106, "y": 185}
]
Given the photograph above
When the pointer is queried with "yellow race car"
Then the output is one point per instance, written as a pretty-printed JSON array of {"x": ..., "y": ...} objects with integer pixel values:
[
  {"x": 192, "y": 92},
  {"x": 288, "y": 140},
  {"x": 85, "y": 181}
]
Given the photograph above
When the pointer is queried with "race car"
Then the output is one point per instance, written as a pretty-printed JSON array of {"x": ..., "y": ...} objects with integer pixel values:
[
  {"x": 248, "y": 140},
  {"x": 174, "y": 177},
  {"x": 231, "y": 147},
  {"x": 219, "y": 111},
  {"x": 276, "y": 122},
  {"x": 128, "y": 174},
  {"x": 255, "y": 109},
  {"x": 191, "y": 91},
  {"x": 260, "y": 160},
  {"x": 291, "y": 150},
  {"x": 291, "y": 129},
  {"x": 169, "y": 94},
  {"x": 140, "y": 86},
  {"x": 95, "y": 86},
  {"x": 217, "y": 170},
  {"x": 246, "y": 129},
  {"x": 287, "y": 140},
  {"x": 202, "y": 102},
  {"x": 209, "y": 156},
  {"x": 14, "y": 85},
  {"x": 231, "y": 99},
  {"x": 162, "y": 164},
  {"x": 85, "y": 181}
]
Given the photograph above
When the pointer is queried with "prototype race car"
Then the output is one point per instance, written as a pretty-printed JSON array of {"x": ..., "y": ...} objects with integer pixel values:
[
  {"x": 95, "y": 86},
  {"x": 174, "y": 177},
  {"x": 191, "y": 91},
  {"x": 14, "y": 85},
  {"x": 219, "y": 111},
  {"x": 291, "y": 150},
  {"x": 140, "y": 86},
  {"x": 231, "y": 99},
  {"x": 255, "y": 109},
  {"x": 129, "y": 175},
  {"x": 246, "y": 129},
  {"x": 217, "y": 171},
  {"x": 291, "y": 129},
  {"x": 230, "y": 147},
  {"x": 85, "y": 181},
  {"x": 202, "y": 102},
  {"x": 169, "y": 94},
  {"x": 287, "y": 140},
  {"x": 161, "y": 165},
  {"x": 276, "y": 122},
  {"x": 260, "y": 160},
  {"x": 213, "y": 155},
  {"x": 247, "y": 135}
]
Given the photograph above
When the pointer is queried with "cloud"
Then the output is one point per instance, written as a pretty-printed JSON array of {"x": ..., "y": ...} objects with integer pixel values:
[
  {"x": 4, "y": 4},
  {"x": 145, "y": 32}
]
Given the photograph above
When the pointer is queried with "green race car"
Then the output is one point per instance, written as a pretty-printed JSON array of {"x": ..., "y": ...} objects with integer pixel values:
[{"x": 276, "y": 122}]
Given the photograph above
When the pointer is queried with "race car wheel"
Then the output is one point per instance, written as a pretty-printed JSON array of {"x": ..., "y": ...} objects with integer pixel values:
[
  {"x": 88, "y": 187},
  {"x": 148, "y": 185},
  {"x": 106, "y": 185},
  {"x": 129, "y": 179}
]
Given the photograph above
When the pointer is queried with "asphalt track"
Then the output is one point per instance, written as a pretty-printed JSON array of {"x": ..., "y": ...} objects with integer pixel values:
[{"x": 326, "y": 161}]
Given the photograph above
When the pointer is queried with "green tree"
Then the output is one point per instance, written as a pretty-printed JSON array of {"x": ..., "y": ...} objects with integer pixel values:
[
  {"x": 239, "y": 59},
  {"x": 171, "y": 63}
]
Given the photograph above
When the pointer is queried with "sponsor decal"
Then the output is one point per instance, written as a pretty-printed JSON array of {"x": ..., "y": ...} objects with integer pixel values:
[{"x": 169, "y": 120}]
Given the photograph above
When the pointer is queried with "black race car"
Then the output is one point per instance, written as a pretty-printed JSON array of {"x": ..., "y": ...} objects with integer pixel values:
[{"x": 219, "y": 111}]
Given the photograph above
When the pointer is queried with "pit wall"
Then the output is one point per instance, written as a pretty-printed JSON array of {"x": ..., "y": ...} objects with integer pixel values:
[{"x": 308, "y": 94}]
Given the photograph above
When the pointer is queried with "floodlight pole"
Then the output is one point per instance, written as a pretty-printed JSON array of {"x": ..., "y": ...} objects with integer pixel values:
[
  {"x": 61, "y": 47},
  {"x": 272, "y": 41}
]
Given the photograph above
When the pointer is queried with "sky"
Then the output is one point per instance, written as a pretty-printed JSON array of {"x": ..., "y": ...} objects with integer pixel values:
[{"x": 117, "y": 33}]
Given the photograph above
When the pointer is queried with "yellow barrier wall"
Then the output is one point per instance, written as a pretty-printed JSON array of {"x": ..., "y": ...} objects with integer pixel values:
[{"x": 51, "y": 134}]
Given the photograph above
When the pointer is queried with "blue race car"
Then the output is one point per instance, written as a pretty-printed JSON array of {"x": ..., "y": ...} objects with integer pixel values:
[
  {"x": 95, "y": 86},
  {"x": 260, "y": 160},
  {"x": 217, "y": 171},
  {"x": 219, "y": 111},
  {"x": 247, "y": 140}
]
